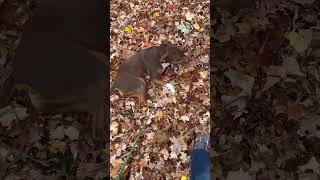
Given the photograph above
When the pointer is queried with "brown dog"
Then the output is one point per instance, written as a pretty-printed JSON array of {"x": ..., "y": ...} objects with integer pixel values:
[
  {"x": 130, "y": 80},
  {"x": 60, "y": 60}
]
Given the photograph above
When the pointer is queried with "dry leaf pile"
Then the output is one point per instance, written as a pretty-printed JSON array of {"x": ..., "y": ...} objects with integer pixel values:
[
  {"x": 164, "y": 151},
  {"x": 266, "y": 63}
]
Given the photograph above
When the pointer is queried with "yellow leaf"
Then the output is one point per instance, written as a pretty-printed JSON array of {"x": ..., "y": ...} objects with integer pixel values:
[
  {"x": 127, "y": 29},
  {"x": 296, "y": 41},
  {"x": 159, "y": 114},
  {"x": 134, "y": 11},
  {"x": 203, "y": 74},
  {"x": 114, "y": 127},
  {"x": 143, "y": 163},
  {"x": 189, "y": 16},
  {"x": 183, "y": 178},
  {"x": 207, "y": 40},
  {"x": 57, "y": 146},
  {"x": 156, "y": 14},
  {"x": 196, "y": 26}
]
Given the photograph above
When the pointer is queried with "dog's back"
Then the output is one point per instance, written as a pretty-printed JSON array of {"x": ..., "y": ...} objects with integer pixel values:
[
  {"x": 55, "y": 59},
  {"x": 81, "y": 21},
  {"x": 55, "y": 44}
]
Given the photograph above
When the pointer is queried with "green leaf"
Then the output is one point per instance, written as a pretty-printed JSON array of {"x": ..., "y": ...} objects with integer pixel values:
[{"x": 299, "y": 41}]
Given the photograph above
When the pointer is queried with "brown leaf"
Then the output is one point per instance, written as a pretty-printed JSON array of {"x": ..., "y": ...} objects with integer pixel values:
[
  {"x": 93, "y": 170},
  {"x": 115, "y": 167},
  {"x": 295, "y": 111}
]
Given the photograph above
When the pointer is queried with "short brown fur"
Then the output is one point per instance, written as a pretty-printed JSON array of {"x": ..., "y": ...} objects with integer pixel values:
[
  {"x": 60, "y": 61},
  {"x": 131, "y": 77}
]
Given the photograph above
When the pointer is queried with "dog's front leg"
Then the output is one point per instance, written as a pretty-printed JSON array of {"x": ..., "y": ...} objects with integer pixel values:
[{"x": 156, "y": 78}]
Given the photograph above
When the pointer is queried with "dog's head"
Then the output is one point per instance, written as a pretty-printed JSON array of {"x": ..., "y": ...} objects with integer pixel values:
[{"x": 173, "y": 54}]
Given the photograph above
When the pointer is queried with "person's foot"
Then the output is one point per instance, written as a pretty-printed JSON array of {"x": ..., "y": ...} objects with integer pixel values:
[{"x": 201, "y": 141}]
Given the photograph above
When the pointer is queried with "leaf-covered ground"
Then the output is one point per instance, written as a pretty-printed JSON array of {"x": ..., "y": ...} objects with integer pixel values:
[
  {"x": 266, "y": 62},
  {"x": 164, "y": 150}
]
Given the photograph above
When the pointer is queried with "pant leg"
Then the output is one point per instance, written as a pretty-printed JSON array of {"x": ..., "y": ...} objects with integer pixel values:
[{"x": 200, "y": 165}]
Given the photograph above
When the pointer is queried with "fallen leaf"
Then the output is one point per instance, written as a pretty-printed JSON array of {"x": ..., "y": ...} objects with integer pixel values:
[
  {"x": 276, "y": 71},
  {"x": 72, "y": 133},
  {"x": 150, "y": 135},
  {"x": 165, "y": 154},
  {"x": 156, "y": 14},
  {"x": 244, "y": 28},
  {"x": 307, "y": 35},
  {"x": 21, "y": 113},
  {"x": 173, "y": 155},
  {"x": 196, "y": 26},
  {"x": 204, "y": 59},
  {"x": 127, "y": 29},
  {"x": 237, "y": 175},
  {"x": 171, "y": 88},
  {"x": 185, "y": 28},
  {"x": 92, "y": 170},
  {"x": 239, "y": 79},
  {"x": 295, "y": 111},
  {"x": 114, "y": 127},
  {"x": 7, "y": 118},
  {"x": 303, "y": 2},
  {"x": 174, "y": 99},
  {"x": 184, "y": 157},
  {"x": 309, "y": 125},
  {"x": 203, "y": 74},
  {"x": 31, "y": 135},
  {"x": 3, "y": 152},
  {"x": 189, "y": 16},
  {"x": 225, "y": 32},
  {"x": 57, "y": 133},
  {"x": 57, "y": 146},
  {"x": 116, "y": 164},
  {"x": 159, "y": 114},
  {"x": 143, "y": 163},
  {"x": 271, "y": 81},
  {"x": 313, "y": 164},
  {"x": 185, "y": 118},
  {"x": 292, "y": 67},
  {"x": 297, "y": 41},
  {"x": 308, "y": 176}
]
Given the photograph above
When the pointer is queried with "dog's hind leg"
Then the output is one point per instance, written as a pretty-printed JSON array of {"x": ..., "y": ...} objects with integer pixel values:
[{"x": 141, "y": 94}]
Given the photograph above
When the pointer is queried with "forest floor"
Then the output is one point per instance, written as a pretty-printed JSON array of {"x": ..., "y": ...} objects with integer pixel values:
[
  {"x": 265, "y": 63},
  {"x": 164, "y": 151}
]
